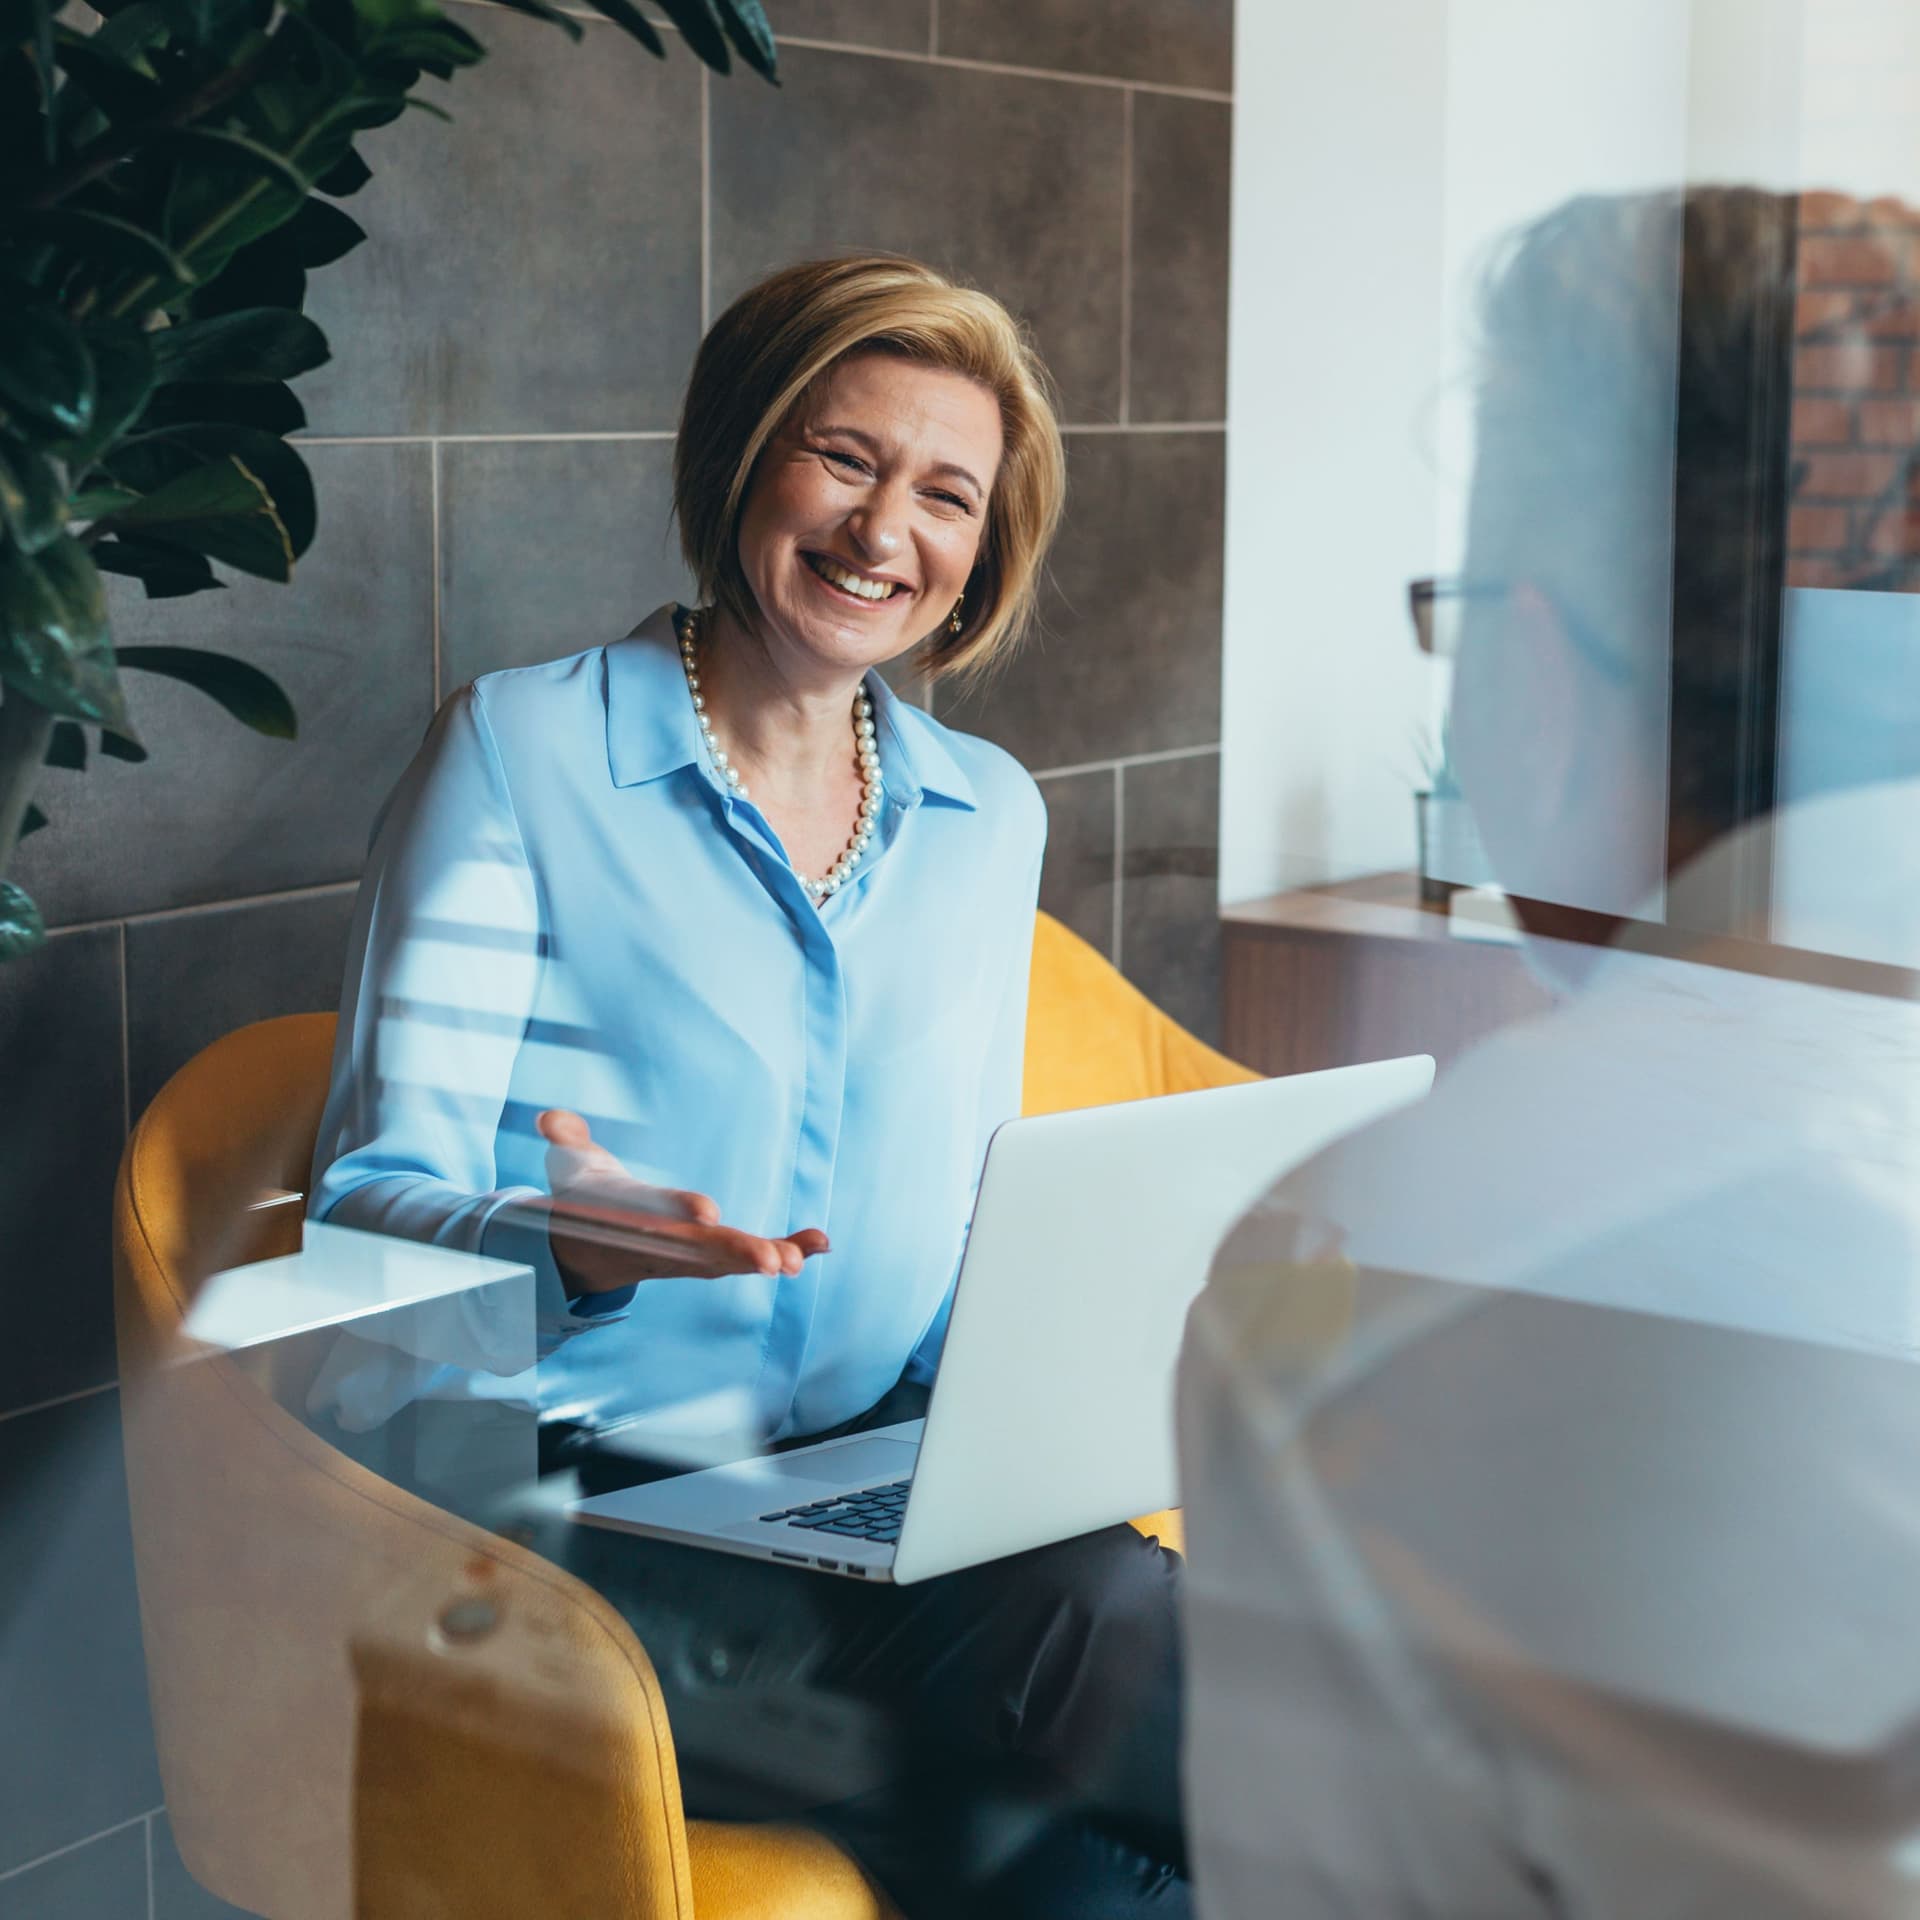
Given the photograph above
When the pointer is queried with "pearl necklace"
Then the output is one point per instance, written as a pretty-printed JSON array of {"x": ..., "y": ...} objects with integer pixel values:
[{"x": 687, "y": 625}]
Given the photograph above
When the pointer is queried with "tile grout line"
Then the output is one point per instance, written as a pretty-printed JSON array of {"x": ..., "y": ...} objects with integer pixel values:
[
  {"x": 435, "y": 562},
  {"x": 59, "y": 1400},
  {"x": 74, "y": 1846},
  {"x": 126, "y": 1043},
  {"x": 592, "y": 17},
  {"x": 996, "y": 66},
  {"x": 203, "y": 906},
  {"x": 1116, "y": 761},
  {"x": 706, "y": 200},
  {"x": 1148, "y": 426},
  {"x": 1126, "y": 254},
  {"x": 1119, "y": 850}
]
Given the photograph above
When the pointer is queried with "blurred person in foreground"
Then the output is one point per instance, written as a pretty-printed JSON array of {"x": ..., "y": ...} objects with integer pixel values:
[
  {"x": 690, "y": 971},
  {"x": 1552, "y": 1450}
]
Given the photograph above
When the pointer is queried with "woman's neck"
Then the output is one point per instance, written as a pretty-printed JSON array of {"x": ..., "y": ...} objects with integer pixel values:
[{"x": 789, "y": 731}]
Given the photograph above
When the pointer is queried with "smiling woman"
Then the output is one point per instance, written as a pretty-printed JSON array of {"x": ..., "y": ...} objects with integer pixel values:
[{"x": 691, "y": 971}]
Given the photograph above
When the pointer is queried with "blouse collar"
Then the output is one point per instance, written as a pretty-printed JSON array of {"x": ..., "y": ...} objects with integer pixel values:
[{"x": 651, "y": 729}]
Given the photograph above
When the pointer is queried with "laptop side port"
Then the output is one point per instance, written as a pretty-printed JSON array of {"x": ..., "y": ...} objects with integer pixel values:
[
  {"x": 799, "y": 1559},
  {"x": 832, "y": 1566}
]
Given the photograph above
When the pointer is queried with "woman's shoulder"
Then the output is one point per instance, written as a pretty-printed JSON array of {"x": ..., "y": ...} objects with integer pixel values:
[
  {"x": 551, "y": 705},
  {"x": 543, "y": 685}
]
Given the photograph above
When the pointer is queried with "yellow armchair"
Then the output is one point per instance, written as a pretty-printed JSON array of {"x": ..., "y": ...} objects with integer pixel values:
[{"x": 326, "y": 1747}]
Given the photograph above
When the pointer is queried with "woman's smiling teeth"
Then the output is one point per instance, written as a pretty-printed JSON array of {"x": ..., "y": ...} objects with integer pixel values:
[{"x": 850, "y": 582}]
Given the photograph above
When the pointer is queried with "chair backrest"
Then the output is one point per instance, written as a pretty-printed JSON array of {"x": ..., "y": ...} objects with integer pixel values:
[
  {"x": 265, "y": 1557},
  {"x": 1093, "y": 1038}
]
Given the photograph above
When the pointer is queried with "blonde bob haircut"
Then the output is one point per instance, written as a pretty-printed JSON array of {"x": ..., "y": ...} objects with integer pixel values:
[{"x": 773, "y": 350}]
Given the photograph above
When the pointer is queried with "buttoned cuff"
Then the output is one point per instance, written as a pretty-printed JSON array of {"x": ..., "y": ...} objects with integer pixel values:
[{"x": 516, "y": 1231}]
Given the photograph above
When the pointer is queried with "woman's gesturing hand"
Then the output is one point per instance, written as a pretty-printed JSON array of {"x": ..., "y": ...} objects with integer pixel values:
[{"x": 608, "y": 1229}]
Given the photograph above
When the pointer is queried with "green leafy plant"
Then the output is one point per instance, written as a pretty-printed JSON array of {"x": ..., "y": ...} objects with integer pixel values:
[
  {"x": 168, "y": 180},
  {"x": 1438, "y": 779}
]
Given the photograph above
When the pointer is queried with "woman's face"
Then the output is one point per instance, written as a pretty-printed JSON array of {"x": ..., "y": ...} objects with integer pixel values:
[{"x": 866, "y": 510}]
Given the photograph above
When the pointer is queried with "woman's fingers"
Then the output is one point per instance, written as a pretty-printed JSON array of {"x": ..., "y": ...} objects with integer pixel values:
[
  {"x": 560, "y": 1127},
  {"x": 572, "y": 1155},
  {"x": 701, "y": 1208},
  {"x": 649, "y": 1233}
]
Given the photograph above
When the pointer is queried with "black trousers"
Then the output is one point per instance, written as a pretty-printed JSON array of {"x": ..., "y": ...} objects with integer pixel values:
[{"x": 1004, "y": 1739}]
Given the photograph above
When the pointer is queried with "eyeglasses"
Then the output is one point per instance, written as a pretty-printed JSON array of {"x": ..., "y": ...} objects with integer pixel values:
[
  {"x": 1436, "y": 604},
  {"x": 1438, "y": 609}
]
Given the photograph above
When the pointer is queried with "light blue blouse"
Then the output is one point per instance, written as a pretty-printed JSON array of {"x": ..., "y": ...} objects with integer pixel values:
[{"x": 564, "y": 907}]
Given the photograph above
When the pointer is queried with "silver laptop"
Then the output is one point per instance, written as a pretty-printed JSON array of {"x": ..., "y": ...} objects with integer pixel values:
[{"x": 1052, "y": 1413}]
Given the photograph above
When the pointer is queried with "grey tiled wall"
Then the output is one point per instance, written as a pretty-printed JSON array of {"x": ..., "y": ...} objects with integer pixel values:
[{"x": 492, "y": 446}]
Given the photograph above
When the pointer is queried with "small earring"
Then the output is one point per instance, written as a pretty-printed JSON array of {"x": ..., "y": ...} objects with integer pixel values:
[{"x": 954, "y": 622}]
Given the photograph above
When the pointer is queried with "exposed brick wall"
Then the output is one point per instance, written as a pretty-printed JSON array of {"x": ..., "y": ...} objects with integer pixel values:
[{"x": 1855, "y": 466}]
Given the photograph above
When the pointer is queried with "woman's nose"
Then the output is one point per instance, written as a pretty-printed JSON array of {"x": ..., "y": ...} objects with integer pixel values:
[{"x": 877, "y": 524}]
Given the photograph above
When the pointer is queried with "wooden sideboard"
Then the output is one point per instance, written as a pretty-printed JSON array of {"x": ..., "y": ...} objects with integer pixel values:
[{"x": 1365, "y": 970}]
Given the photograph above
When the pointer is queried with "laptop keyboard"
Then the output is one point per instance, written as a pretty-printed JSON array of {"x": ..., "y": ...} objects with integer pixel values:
[{"x": 872, "y": 1514}]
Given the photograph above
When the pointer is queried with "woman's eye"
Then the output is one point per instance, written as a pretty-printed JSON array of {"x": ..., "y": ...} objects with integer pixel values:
[
  {"x": 954, "y": 499},
  {"x": 851, "y": 459}
]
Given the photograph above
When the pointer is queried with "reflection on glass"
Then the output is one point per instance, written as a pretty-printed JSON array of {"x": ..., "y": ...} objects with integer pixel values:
[{"x": 1549, "y": 1446}]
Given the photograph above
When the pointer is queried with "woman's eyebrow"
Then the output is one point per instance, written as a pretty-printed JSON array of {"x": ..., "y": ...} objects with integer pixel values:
[{"x": 873, "y": 446}]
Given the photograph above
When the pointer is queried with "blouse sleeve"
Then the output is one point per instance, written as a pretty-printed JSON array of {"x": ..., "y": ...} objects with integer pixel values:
[{"x": 443, "y": 972}]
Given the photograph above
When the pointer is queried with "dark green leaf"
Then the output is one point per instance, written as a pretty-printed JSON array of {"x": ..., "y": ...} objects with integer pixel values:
[
  {"x": 118, "y": 747},
  {"x": 207, "y": 490},
  {"x": 222, "y": 510},
  {"x": 246, "y": 693},
  {"x": 46, "y": 372},
  {"x": 123, "y": 369},
  {"x": 33, "y": 822},
  {"x": 747, "y": 28},
  {"x": 319, "y": 234},
  {"x": 27, "y": 25},
  {"x": 133, "y": 28},
  {"x": 431, "y": 42},
  {"x": 67, "y": 747},
  {"x": 95, "y": 503},
  {"x": 255, "y": 543},
  {"x": 251, "y": 278},
  {"x": 250, "y": 157},
  {"x": 700, "y": 28},
  {"x": 428, "y": 107},
  {"x": 21, "y": 928},
  {"x": 386, "y": 101},
  {"x": 123, "y": 95},
  {"x": 214, "y": 23},
  {"x": 346, "y": 176},
  {"x": 539, "y": 10},
  {"x": 33, "y": 495},
  {"x": 257, "y": 344},
  {"x": 192, "y": 20},
  {"x": 168, "y": 573},
  {"x": 272, "y": 271},
  {"x": 228, "y": 189},
  {"x": 631, "y": 20},
  {"x": 53, "y": 633},
  {"x": 157, "y": 459},
  {"x": 22, "y": 130},
  {"x": 270, "y": 406},
  {"x": 117, "y": 245}
]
